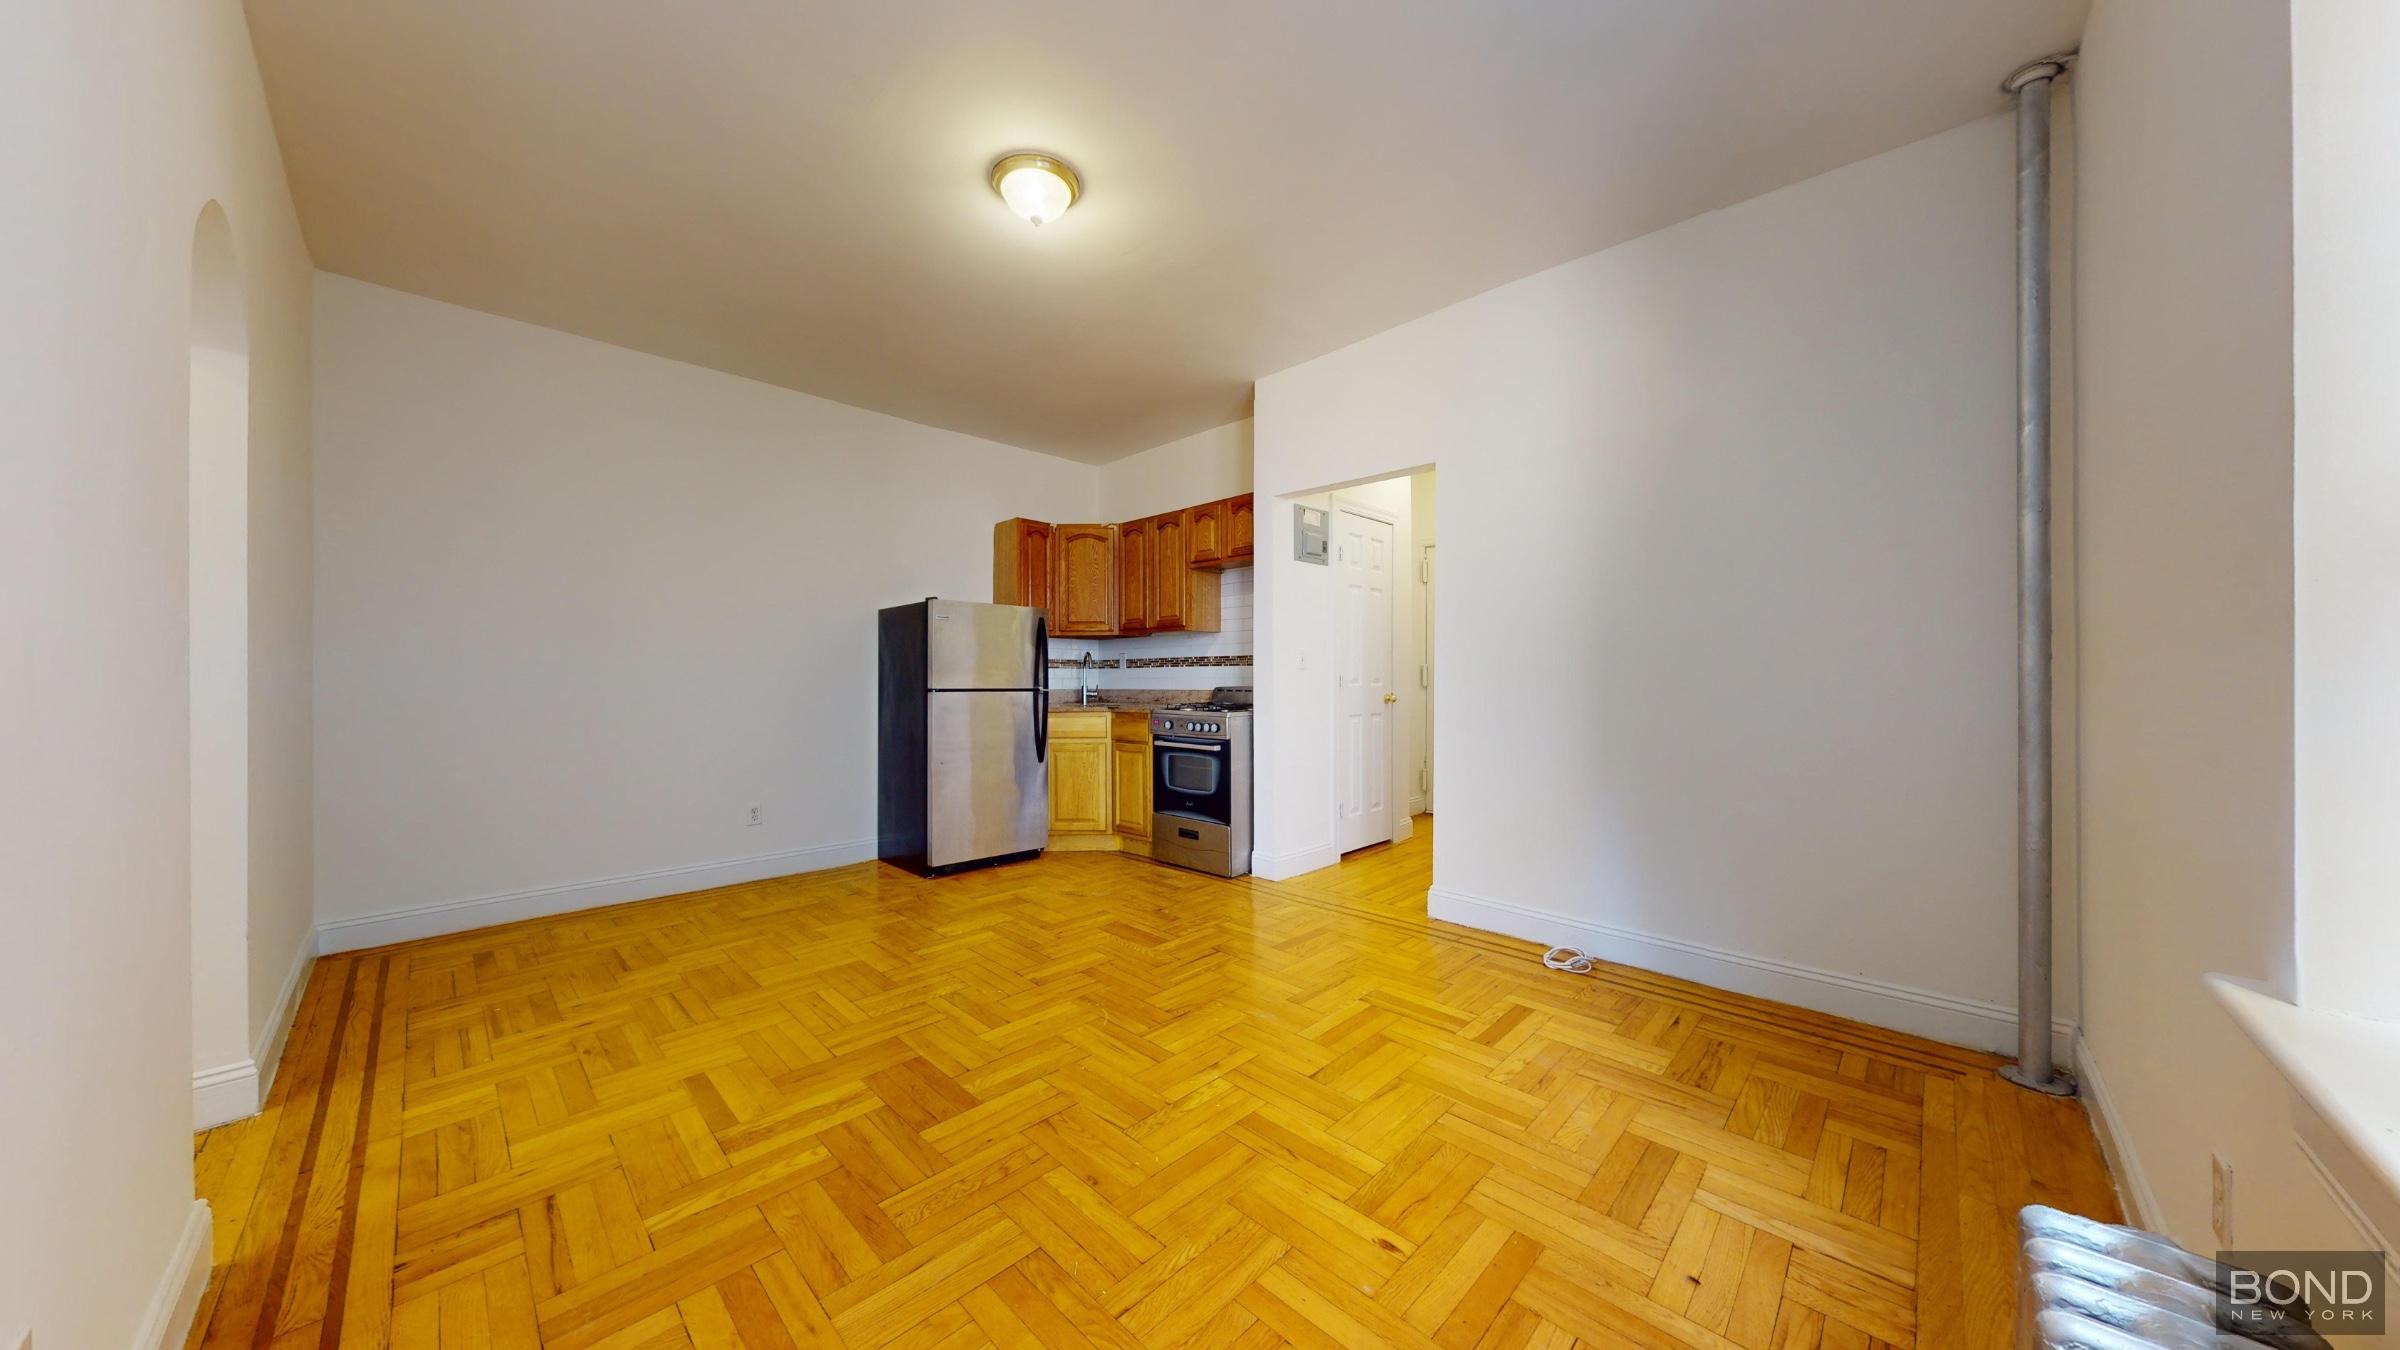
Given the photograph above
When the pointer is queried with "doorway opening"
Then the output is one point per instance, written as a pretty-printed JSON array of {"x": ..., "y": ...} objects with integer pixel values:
[
  {"x": 225, "y": 1077},
  {"x": 1382, "y": 668}
]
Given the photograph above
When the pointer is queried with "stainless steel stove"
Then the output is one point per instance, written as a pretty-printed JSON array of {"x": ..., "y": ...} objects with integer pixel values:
[{"x": 1200, "y": 784}]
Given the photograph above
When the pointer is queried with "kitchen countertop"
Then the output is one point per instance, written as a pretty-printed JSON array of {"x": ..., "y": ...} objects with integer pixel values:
[{"x": 1126, "y": 700}]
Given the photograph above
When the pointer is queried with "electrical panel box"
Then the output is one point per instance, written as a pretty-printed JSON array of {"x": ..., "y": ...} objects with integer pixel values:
[{"x": 1312, "y": 531}]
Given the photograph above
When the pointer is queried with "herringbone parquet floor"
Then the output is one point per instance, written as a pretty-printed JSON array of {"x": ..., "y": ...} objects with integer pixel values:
[{"x": 1093, "y": 1101}]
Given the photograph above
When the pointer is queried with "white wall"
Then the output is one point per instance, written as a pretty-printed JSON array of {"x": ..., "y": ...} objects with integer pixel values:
[
  {"x": 2185, "y": 406},
  {"x": 1202, "y": 467},
  {"x": 122, "y": 122},
  {"x": 218, "y": 600},
  {"x": 1726, "y": 639},
  {"x": 578, "y": 608},
  {"x": 2346, "y": 489}
]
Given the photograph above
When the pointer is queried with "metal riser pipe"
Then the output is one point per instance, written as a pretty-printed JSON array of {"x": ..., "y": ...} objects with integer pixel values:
[{"x": 2034, "y": 1067}]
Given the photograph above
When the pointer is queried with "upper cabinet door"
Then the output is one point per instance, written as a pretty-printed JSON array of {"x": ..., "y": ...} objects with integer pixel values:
[
  {"x": 1170, "y": 574},
  {"x": 1133, "y": 577},
  {"x": 1021, "y": 563},
  {"x": 1083, "y": 586},
  {"x": 1205, "y": 535},
  {"x": 1238, "y": 529}
]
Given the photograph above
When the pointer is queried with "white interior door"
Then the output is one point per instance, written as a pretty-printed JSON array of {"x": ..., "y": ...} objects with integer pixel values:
[{"x": 1363, "y": 694}]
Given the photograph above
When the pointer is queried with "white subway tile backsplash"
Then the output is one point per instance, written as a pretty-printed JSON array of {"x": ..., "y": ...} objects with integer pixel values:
[{"x": 1234, "y": 639}]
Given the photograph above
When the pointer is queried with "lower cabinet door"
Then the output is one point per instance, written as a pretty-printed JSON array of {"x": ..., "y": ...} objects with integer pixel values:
[
  {"x": 1132, "y": 759},
  {"x": 1079, "y": 773}
]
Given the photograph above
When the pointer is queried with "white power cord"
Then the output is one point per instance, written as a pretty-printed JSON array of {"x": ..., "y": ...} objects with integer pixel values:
[{"x": 1569, "y": 959}]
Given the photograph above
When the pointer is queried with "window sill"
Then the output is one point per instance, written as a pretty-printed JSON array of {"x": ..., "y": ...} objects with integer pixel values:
[{"x": 2344, "y": 1074}]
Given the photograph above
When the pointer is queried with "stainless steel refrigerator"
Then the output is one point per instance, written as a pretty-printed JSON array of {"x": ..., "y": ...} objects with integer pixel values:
[{"x": 965, "y": 735}]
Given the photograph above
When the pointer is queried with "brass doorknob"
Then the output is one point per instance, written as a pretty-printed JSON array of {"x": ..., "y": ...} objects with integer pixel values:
[{"x": 1391, "y": 698}]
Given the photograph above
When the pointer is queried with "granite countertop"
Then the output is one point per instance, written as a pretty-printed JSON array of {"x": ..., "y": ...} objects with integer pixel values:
[{"x": 1126, "y": 700}]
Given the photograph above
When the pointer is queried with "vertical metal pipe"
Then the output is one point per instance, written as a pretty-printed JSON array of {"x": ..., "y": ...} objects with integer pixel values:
[{"x": 2034, "y": 1068}]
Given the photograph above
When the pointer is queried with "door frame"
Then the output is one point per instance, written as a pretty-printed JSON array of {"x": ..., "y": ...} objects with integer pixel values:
[
  {"x": 1425, "y": 672},
  {"x": 1402, "y": 826}
]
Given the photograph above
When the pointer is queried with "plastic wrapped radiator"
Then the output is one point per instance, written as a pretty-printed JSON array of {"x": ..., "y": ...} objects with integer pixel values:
[{"x": 2084, "y": 1285}]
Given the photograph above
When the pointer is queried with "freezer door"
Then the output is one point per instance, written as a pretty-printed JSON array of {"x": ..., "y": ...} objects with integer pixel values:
[
  {"x": 988, "y": 788},
  {"x": 971, "y": 646}
]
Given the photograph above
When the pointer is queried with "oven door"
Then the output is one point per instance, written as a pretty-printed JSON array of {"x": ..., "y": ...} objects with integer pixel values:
[{"x": 1192, "y": 778}]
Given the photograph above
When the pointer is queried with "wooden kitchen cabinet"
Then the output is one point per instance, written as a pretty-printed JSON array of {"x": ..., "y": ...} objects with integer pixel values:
[
  {"x": 1079, "y": 775},
  {"x": 1099, "y": 780},
  {"x": 1129, "y": 783},
  {"x": 1154, "y": 575},
  {"x": 1133, "y": 578},
  {"x": 1021, "y": 560},
  {"x": 1220, "y": 534},
  {"x": 1083, "y": 581},
  {"x": 1182, "y": 600},
  {"x": 1205, "y": 534},
  {"x": 1170, "y": 574},
  {"x": 1239, "y": 529}
]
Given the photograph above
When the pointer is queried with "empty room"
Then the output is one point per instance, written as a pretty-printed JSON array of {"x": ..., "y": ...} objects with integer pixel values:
[{"x": 736, "y": 676}]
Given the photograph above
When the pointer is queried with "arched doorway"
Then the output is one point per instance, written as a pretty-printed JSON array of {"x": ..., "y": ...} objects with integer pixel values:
[{"x": 224, "y": 1077}]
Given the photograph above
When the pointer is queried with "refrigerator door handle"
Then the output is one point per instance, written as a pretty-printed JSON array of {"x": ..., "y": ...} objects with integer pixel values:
[{"x": 1041, "y": 687}]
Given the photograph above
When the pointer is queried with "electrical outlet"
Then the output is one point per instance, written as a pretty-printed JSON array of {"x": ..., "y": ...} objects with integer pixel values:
[
  {"x": 756, "y": 816},
  {"x": 2220, "y": 1200}
]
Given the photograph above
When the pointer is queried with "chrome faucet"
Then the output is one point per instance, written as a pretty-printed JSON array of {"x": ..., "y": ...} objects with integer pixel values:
[{"x": 1088, "y": 686}]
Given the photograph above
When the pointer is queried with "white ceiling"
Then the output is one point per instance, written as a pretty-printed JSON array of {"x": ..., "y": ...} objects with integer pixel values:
[{"x": 794, "y": 191}]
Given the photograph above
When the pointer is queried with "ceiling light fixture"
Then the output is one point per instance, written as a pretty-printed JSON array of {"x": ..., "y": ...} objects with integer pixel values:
[{"x": 1038, "y": 187}]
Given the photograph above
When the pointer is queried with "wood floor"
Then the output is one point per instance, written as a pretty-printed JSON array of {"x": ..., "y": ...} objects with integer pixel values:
[{"x": 1094, "y": 1101}]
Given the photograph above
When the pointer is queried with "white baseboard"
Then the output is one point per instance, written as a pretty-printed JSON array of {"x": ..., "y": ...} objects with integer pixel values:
[
  {"x": 233, "y": 1091},
  {"x": 2134, "y": 1195},
  {"x": 168, "y": 1318},
  {"x": 1284, "y": 866},
  {"x": 459, "y": 916},
  {"x": 268, "y": 1052},
  {"x": 1935, "y": 1016},
  {"x": 226, "y": 1092}
]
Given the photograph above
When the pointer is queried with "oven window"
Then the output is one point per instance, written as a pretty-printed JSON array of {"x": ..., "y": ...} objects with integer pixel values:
[{"x": 1185, "y": 771}]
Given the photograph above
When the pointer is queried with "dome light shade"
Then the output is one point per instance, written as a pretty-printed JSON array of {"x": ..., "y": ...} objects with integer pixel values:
[{"x": 1038, "y": 187}]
